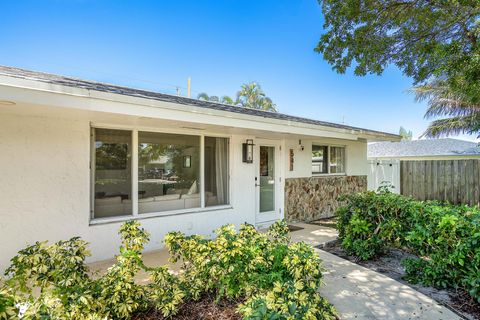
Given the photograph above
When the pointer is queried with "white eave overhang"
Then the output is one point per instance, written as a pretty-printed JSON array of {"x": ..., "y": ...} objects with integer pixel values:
[{"x": 31, "y": 91}]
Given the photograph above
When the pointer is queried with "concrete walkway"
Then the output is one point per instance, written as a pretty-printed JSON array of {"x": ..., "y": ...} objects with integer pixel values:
[
  {"x": 357, "y": 292},
  {"x": 360, "y": 293}
]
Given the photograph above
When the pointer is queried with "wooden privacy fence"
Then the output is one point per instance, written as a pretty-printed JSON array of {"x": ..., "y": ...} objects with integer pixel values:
[{"x": 455, "y": 181}]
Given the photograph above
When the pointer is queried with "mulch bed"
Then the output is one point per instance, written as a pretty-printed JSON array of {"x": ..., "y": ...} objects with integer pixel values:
[
  {"x": 390, "y": 265},
  {"x": 203, "y": 309}
]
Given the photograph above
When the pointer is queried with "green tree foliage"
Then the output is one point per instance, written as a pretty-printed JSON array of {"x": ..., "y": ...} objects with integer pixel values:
[
  {"x": 406, "y": 135},
  {"x": 422, "y": 38},
  {"x": 425, "y": 39},
  {"x": 462, "y": 115},
  {"x": 250, "y": 95}
]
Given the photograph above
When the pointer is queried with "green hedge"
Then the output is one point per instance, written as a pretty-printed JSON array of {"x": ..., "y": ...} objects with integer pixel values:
[
  {"x": 273, "y": 278},
  {"x": 445, "y": 237}
]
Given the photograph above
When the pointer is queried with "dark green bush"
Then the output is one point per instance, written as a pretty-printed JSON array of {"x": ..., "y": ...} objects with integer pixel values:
[
  {"x": 445, "y": 237},
  {"x": 274, "y": 278}
]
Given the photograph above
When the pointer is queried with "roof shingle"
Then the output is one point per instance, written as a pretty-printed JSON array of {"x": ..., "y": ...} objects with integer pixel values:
[
  {"x": 110, "y": 88},
  {"x": 419, "y": 148}
]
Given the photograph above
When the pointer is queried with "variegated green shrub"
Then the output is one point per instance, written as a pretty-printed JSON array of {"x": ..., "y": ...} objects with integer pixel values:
[
  {"x": 273, "y": 278},
  {"x": 8, "y": 307}
]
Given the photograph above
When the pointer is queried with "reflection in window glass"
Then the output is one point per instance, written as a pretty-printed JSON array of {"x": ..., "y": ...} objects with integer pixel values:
[
  {"x": 337, "y": 160},
  {"x": 112, "y": 173},
  {"x": 319, "y": 159},
  {"x": 168, "y": 172},
  {"x": 216, "y": 171}
]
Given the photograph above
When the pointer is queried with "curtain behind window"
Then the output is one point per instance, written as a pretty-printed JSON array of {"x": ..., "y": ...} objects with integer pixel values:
[{"x": 216, "y": 171}]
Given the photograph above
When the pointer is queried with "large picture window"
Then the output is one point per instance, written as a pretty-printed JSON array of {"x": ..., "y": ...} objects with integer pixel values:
[
  {"x": 328, "y": 159},
  {"x": 167, "y": 172},
  {"x": 166, "y": 179},
  {"x": 112, "y": 174}
]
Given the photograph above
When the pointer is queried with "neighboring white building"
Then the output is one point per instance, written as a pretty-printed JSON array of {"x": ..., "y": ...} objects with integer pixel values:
[
  {"x": 425, "y": 149},
  {"x": 384, "y": 157},
  {"x": 77, "y": 158}
]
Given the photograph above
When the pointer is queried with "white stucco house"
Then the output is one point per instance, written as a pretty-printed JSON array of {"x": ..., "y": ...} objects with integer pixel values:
[{"x": 77, "y": 158}]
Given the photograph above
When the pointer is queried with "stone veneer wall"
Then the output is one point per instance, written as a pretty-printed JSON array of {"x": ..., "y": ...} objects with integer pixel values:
[{"x": 308, "y": 199}]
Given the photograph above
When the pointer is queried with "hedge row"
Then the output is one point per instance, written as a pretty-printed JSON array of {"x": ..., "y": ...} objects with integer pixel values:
[
  {"x": 273, "y": 278},
  {"x": 446, "y": 238}
]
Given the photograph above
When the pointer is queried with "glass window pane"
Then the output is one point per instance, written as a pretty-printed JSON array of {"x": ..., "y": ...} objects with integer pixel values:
[
  {"x": 337, "y": 160},
  {"x": 216, "y": 171},
  {"x": 267, "y": 179},
  {"x": 168, "y": 172},
  {"x": 112, "y": 173},
  {"x": 319, "y": 159}
]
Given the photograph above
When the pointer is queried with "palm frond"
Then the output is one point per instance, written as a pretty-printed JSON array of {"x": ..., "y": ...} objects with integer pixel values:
[
  {"x": 462, "y": 115},
  {"x": 453, "y": 126}
]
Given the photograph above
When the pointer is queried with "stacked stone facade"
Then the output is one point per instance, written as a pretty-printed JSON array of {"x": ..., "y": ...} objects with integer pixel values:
[{"x": 313, "y": 198}]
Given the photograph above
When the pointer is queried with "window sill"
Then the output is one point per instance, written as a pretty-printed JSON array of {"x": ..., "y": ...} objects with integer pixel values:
[
  {"x": 327, "y": 174},
  {"x": 141, "y": 216}
]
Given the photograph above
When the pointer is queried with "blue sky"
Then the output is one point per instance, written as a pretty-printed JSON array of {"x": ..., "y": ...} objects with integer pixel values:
[{"x": 157, "y": 45}]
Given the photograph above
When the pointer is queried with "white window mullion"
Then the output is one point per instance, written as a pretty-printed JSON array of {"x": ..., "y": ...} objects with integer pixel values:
[
  {"x": 328, "y": 159},
  {"x": 92, "y": 172},
  {"x": 202, "y": 171},
  {"x": 135, "y": 172}
]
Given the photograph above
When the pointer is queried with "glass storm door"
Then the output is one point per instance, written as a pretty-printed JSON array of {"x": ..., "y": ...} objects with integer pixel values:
[{"x": 266, "y": 184}]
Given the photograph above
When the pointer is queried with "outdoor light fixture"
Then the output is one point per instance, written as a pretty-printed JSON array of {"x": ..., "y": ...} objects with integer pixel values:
[{"x": 247, "y": 151}]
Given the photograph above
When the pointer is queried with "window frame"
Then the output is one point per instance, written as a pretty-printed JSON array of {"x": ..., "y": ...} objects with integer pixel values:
[
  {"x": 134, "y": 174},
  {"x": 329, "y": 146}
]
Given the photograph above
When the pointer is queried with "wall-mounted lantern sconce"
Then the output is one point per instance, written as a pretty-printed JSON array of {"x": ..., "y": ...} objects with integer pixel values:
[{"x": 247, "y": 151}]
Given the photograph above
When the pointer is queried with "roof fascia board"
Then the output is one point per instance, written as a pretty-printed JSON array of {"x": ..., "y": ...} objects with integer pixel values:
[
  {"x": 253, "y": 121},
  {"x": 89, "y": 103}
]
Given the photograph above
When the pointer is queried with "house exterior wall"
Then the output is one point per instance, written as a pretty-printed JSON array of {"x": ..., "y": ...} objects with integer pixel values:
[
  {"x": 45, "y": 160},
  {"x": 45, "y": 194},
  {"x": 309, "y": 197},
  {"x": 356, "y": 156}
]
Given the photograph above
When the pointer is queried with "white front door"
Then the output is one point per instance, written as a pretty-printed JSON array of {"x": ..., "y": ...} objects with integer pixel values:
[{"x": 267, "y": 181}]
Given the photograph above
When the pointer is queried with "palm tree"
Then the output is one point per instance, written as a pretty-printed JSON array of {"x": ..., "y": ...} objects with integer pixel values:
[
  {"x": 462, "y": 115},
  {"x": 252, "y": 96},
  {"x": 224, "y": 99},
  {"x": 406, "y": 135}
]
